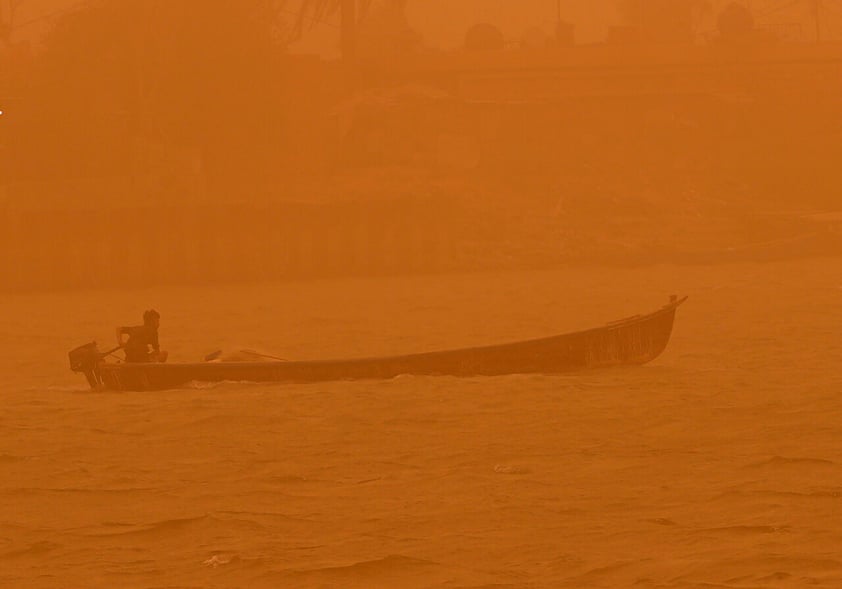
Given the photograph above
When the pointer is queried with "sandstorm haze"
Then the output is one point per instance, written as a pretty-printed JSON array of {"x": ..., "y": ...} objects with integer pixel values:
[
  {"x": 244, "y": 148},
  {"x": 434, "y": 176}
]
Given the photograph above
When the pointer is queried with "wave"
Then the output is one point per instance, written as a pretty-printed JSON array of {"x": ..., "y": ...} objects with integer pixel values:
[
  {"x": 36, "y": 549},
  {"x": 10, "y": 459},
  {"x": 781, "y": 461},
  {"x": 388, "y": 566},
  {"x": 56, "y": 388},
  {"x": 198, "y": 385},
  {"x": 163, "y": 527},
  {"x": 76, "y": 490},
  {"x": 169, "y": 527},
  {"x": 745, "y": 530}
]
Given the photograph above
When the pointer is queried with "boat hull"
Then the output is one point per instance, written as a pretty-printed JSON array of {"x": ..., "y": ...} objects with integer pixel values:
[{"x": 633, "y": 341}]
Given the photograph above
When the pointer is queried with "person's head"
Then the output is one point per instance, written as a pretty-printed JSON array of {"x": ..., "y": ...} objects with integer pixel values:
[{"x": 152, "y": 318}]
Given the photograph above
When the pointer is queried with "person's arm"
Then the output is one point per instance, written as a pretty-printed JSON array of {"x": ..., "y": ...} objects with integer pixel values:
[{"x": 154, "y": 342}]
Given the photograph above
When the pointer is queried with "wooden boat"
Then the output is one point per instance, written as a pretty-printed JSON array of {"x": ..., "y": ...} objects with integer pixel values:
[{"x": 634, "y": 340}]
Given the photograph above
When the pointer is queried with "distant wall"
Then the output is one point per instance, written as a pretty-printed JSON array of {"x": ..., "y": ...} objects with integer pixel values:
[{"x": 144, "y": 246}]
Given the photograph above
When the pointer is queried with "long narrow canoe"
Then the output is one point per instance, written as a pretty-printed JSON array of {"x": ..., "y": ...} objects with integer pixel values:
[{"x": 634, "y": 340}]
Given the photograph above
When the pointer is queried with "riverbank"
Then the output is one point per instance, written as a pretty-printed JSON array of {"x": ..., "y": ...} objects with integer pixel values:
[{"x": 392, "y": 223}]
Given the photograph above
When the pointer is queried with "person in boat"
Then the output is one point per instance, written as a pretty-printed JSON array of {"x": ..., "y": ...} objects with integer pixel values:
[{"x": 142, "y": 345}]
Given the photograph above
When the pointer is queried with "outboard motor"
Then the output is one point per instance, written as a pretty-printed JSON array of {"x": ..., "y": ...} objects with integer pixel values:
[{"x": 85, "y": 359}]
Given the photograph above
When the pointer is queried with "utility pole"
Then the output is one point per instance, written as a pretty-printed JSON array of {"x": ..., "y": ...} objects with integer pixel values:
[
  {"x": 817, "y": 16},
  {"x": 5, "y": 22},
  {"x": 349, "y": 30}
]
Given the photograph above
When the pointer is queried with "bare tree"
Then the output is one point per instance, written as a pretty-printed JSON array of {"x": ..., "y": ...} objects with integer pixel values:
[
  {"x": 313, "y": 11},
  {"x": 8, "y": 10}
]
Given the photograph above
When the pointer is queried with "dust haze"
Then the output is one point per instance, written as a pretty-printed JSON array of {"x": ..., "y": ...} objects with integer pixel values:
[{"x": 296, "y": 185}]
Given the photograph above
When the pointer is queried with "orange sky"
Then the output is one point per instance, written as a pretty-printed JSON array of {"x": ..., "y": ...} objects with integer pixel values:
[{"x": 443, "y": 23}]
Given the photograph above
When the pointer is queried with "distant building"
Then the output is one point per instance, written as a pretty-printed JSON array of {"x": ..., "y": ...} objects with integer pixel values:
[{"x": 671, "y": 21}]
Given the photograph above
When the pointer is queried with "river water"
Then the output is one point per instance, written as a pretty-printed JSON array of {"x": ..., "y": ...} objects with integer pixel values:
[{"x": 718, "y": 465}]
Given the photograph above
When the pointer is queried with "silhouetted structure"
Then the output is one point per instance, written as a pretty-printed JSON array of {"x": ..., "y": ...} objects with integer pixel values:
[
  {"x": 565, "y": 33},
  {"x": 349, "y": 29},
  {"x": 735, "y": 22},
  {"x": 484, "y": 37}
]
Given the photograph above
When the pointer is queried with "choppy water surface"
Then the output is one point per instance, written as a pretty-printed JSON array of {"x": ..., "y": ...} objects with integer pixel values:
[{"x": 719, "y": 465}]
